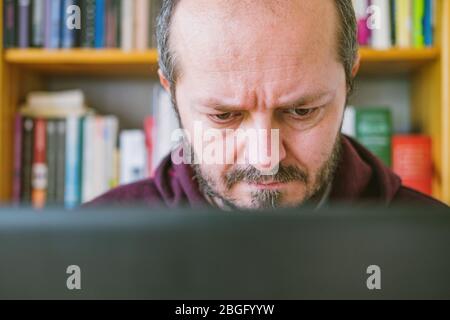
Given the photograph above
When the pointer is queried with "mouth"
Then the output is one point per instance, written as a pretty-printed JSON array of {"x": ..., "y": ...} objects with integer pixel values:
[{"x": 267, "y": 185}]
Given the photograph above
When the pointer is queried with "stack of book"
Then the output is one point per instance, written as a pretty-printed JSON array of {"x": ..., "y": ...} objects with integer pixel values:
[
  {"x": 66, "y": 155},
  {"x": 63, "y": 153},
  {"x": 52, "y": 24},
  {"x": 409, "y": 156},
  {"x": 383, "y": 24}
]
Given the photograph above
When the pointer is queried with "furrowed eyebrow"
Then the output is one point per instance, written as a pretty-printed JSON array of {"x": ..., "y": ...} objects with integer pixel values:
[
  {"x": 306, "y": 100},
  {"x": 217, "y": 105}
]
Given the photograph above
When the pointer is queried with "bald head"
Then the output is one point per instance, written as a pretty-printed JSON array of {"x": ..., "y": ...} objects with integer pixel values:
[{"x": 183, "y": 24}]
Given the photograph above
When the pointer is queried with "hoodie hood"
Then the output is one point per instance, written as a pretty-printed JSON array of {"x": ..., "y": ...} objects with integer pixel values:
[{"x": 362, "y": 176}]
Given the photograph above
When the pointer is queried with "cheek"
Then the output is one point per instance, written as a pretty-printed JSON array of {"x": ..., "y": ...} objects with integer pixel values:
[{"x": 313, "y": 147}]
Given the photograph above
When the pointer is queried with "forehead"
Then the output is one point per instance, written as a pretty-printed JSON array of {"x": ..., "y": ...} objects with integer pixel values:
[{"x": 246, "y": 42}]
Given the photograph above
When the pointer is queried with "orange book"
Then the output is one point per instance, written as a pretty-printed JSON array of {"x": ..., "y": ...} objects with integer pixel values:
[
  {"x": 39, "y": 175},
  {"x": 412, "y": 161}
]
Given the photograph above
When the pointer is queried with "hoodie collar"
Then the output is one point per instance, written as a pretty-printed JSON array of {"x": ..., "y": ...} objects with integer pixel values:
[{"x": 362, "y": 176}]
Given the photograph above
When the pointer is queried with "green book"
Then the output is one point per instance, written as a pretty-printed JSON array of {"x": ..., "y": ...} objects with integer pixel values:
[
  {"x": 51, "y": 160},
  {"x": 60, "y": 161},
  {"x": 418, "y": 20},
  {"x": 374, "y": 131}
]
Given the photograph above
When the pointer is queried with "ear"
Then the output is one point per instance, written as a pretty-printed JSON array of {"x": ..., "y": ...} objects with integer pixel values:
[
  {"x": 356, "y": 65},
  {"x": 164, "y": 82}
]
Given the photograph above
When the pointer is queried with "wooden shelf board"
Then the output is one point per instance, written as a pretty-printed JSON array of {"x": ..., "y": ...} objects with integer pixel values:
[
  {"x": 392, "y": 55},
  {"x": 85, "y": 61},
  {"x": 80, "y": 56},
  {"x": 395, "y": 61},
  {"x": 116, "y": 61}
]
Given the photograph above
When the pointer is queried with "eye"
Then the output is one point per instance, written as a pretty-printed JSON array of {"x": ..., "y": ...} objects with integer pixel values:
[
  {"x": 301, "y": 112},
  {"x": 225, "y": 117}
]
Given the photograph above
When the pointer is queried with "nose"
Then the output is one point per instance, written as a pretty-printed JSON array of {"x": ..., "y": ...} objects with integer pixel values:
[{"x": 264, "y": 145}]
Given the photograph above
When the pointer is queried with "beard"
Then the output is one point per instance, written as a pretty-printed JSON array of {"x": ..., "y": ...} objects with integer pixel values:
[{"x": 270, "y": 199}]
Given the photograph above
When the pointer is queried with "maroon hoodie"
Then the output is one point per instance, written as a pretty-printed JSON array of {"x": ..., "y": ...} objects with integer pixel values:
[{"x": 360, "y": 178}]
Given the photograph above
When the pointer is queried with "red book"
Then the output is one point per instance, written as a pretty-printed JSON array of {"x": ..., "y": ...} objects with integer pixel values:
[
  {"x": 148, "y": 130},
  {"x": 39, "y": 175},
  {"x": 412, "y": 161}
]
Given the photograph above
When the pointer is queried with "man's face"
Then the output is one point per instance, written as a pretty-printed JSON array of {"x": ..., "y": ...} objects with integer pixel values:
[{"x": 262, "y": 66}]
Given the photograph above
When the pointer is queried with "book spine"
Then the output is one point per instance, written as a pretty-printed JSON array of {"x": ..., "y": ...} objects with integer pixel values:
[
  {"x": 68, "y": 32},
  {"x": 53, "y": 24},
  {"x": 38, "y": 23},
  {"x": 117, "y": 8},
  {"x": 79, "y": 186},
  {"x": 24, "y": 23},
  {"x": 99, "y": 179},
  {"x": 374, "y": 131},
  {"x": 17, "y": 177},
  {"x": 39, "y": 175},
  {"x": 393, "y": 23},
  {"x": 349, "y": 122},
  {"x": 418, "y": 18},
  {"x": 111, "y": 129},
  {"x": 361, "y": 7},
  {"x": 88, "y": 24},
  {"x": 412, "y": 161},
  {"x": 127, "y": 25},
  {"x": 155, "y": 8},
  {"x": 52, "y": 152},
  {"x": 27, "y": 159},
  {"x": 100, "y": 24},
  {"x": 60, "y": 161},
  {"x": 88, "y": 159},
  {"x": 109, "y": 22},
  {"x": 9, "y": 17},
  {"x": 141, "y": 24},
  {"x": 149, "y": 124},
  {"x": 133, "y": 156},
  {"x": 381, "y": 37},
  {"x": 72, "y": 183},
  {"x": 428, "y": 23},
  {"x": 403, "y": 26}
]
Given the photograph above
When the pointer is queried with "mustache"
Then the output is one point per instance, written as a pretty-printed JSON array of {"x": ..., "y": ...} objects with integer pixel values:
[{"x": 250, "y": 174}]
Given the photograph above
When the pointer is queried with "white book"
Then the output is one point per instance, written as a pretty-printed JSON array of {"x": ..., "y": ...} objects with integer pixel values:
[
  {"x": 71, "y": 99},
  {"x": 111, "y": 129},
  {"x": 360, "y": 7},
  {"x": 349, "y": 122},
  {"x": 166, "y": 122},
  {"x": 381, "y": 31},
  {"x": 127, "y": 25},
  {"x": 99, "y": 180},
  {"x": 133, "y": 159},
  {"x": 88, "y": 159}
]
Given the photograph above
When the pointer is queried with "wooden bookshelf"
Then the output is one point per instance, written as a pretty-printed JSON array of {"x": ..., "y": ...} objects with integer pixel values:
[
  {"x": 84, "y": 61},
  {"x": 22, "y": 70},
  {"x": 116, "y": 61}
]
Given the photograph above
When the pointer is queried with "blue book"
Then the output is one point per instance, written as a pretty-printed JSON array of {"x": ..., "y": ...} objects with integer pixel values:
[
  {"x": 24, "y": 20},
  {"x": 72, "y": 195},
  {"x": 428, "y": 23},
  {"x": 53, "y": 24},
  {"x": 100, "y": 24},
  {"x": 68, "y": 32}
]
